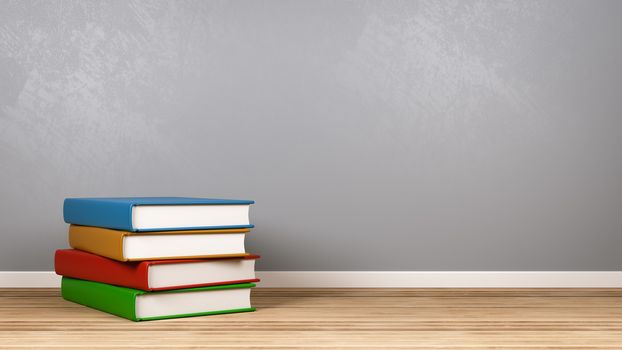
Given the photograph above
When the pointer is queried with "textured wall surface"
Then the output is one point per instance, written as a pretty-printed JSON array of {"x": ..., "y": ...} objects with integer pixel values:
[{"x": 374, "y": 135}]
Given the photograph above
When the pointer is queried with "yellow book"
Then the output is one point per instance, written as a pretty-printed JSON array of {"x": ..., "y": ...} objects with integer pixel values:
[{"x": 158, "y": 245}]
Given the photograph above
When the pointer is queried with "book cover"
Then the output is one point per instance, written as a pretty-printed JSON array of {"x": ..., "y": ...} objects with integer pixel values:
[
  {"x": 109, "y": 243},
  {"x": 121, "y": 301},
  {"x": 116, "y": 213},
  {"x": 86, "y": 266}
]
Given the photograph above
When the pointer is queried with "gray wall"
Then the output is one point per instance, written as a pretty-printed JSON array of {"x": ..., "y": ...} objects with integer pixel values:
[{"x": 373, "y": 135}]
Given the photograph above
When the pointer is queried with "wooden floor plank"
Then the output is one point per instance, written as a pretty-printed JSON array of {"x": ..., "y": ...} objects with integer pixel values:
[{"x": 334, "y": 318}]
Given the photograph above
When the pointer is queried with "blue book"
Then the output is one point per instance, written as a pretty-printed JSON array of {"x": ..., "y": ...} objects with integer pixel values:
[{"x": 158, "y": 213}]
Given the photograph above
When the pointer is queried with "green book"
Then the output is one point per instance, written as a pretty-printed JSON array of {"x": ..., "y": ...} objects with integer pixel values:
[{"x": 139, "y": 305}]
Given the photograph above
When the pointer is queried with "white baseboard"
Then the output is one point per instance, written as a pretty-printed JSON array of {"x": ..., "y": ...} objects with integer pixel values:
[
  {"x": 29, "y": 279},
  {"x": 383, "y": 279}
]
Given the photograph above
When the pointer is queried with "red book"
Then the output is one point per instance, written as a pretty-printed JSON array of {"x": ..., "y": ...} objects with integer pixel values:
[{"x": 155, "y": 274}]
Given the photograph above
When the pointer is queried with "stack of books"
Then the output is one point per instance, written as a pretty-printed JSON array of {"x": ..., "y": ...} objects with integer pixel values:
[{"x": 153, "y": 258}]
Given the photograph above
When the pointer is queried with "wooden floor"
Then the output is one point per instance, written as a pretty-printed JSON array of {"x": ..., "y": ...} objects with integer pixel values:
[{"x": 334, "y": 318}]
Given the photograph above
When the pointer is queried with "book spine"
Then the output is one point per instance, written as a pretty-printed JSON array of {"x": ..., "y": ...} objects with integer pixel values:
[
  {"x": 115, "y": 215},
  {"x": 78, "y": 264},
  {"x": 114, "y": 300},
  {"x": 104, "y": 242}
]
